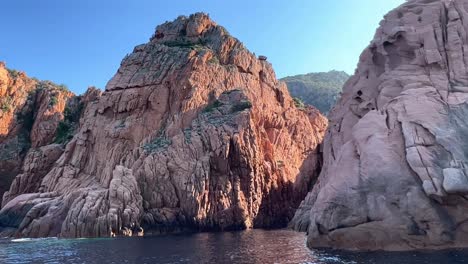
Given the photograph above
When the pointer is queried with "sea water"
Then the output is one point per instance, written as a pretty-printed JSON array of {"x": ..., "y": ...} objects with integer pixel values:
[{"x": 252, "y": 246}]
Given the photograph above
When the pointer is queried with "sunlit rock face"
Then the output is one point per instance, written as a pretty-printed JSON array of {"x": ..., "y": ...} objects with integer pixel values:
[
  {"x": 192, "y": 132},
  {"x": 31, "y": 112},
  {"x": 395, "y": 154}
]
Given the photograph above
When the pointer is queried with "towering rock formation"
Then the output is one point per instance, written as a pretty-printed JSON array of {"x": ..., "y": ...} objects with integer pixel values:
[
  {"x": 192, "y": 132},
  {"x": 395, "y": 155}
]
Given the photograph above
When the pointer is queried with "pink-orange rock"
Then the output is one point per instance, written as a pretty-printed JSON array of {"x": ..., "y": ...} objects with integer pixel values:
[
  {"x": 50, "y": 107},
  {"x": 395, "y": 156},
  {"x": 14, "y": 89},
  {"x": 192, "y": 132},
  {"x": 30, "y": 114}
]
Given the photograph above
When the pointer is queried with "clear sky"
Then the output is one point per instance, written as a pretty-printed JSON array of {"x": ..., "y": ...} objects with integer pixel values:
[{"x": 81, "y": 42}]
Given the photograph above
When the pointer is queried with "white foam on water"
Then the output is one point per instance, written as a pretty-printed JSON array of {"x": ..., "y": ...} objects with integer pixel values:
[{"x": 32, "y": 239}]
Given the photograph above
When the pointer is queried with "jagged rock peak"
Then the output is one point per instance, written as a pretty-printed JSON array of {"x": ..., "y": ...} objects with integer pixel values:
[
  {"x": 182, "y": 41},
  {"x": 195, "y": 31},
  {"x": 192, "y": 27}
]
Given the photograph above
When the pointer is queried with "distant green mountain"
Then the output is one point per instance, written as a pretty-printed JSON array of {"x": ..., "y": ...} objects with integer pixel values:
[{"x": 319, "y": 89}]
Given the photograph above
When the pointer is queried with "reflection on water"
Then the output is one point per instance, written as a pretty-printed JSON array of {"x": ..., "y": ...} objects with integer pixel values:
[{"x": 253, "y": 246}]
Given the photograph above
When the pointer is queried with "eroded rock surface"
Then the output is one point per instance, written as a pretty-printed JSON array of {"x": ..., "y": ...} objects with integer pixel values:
[
  {"x": 395, "y": 154},
  {"x": 193, "y": 132},
  {"x": 31, "y": 112}
]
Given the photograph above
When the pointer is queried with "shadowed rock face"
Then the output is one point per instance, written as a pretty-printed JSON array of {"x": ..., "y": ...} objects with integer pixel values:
[
  {"x": 395, "y": 154},
  {"x": 193, "y": 132}
]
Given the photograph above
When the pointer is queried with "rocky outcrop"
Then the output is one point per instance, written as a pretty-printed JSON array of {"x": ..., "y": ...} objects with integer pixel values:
[
  {"x": 31, "y": 111},
  {"x": 193, "y": 132},
  {"x": 14, "y": 89},
  {"x": 395, "y": 156}
]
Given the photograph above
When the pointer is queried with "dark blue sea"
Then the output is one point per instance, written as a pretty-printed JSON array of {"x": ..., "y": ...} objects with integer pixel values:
[{"x": 252, "y": 246}]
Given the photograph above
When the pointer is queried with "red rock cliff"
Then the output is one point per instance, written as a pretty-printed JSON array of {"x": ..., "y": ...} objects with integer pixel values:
[{"x": 193, "y": 132}]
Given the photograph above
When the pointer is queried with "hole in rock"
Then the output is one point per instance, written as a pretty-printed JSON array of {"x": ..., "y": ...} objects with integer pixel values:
[
  {"x": 159, "y": 35},
  {"x": 387, "y": 44},
  {"x": 358, "y": 99}
]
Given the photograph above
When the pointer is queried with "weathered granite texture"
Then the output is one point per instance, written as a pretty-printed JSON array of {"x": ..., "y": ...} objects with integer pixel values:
[
  {"x": 193, "y": 132},
  {"x": 395, "y": 154}
]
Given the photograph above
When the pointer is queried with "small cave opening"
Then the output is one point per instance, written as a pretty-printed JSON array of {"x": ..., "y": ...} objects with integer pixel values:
[
  {"x": 358, "y": 99},
  {"x": 159, "y": 35}
]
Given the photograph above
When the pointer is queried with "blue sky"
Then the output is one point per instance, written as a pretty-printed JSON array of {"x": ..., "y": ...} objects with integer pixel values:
[{"x": 81, "y": 43}]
